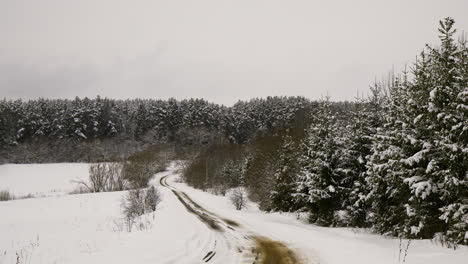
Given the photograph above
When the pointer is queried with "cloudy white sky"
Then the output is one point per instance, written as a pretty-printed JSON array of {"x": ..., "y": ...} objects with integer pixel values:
[{"x": 219, "y": 50}]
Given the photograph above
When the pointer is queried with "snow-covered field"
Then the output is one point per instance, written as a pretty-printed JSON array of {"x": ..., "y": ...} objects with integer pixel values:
[
  {"x": 87, "y": 228},
  {"x": 41, "y": 179}
]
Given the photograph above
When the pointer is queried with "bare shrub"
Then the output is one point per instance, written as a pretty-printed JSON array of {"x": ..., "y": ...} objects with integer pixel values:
[
  {"x": 132, "y": 206},
  {"x": 80, "y": 190},
  {"x": 104, "y": 177},
  {"x": 118, "y": 225},
  {"x": 238, "y": 198},
  {"x": 441, "y": 239},
  {"x": 25, "y": 254},
  {"x": 138, "y": 173},
  {"x": 152, "y": 199},
  {"x": 135, "y": 204},
  {"x": 98, "y": 177},
  {"x": 141, "y": 166},
  {"x": 5, "y": 195},
  {"x": 27, "y": 196},
  {"x": 116, "y": 180},
  {"x": 220, "y": 189},
  {"x": 217, "y": 165},
  {"x": 138, "y": 202}
]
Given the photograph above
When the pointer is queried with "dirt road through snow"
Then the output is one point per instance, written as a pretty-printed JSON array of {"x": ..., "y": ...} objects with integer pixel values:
[{"x": 251, "y": 247}]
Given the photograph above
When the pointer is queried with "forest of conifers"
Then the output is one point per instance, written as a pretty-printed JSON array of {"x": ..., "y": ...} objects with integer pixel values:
[{"x": 395, "y": 161}]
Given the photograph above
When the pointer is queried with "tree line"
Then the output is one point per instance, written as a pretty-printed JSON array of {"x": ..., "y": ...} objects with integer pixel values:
[{"x": 47, "y": 130}]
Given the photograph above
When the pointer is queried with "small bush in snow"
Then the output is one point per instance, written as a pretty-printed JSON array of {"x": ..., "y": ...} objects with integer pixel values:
[
  {"x": 134, "y": 204},
  {"x": 152, "y": 198},
  {"x": 138, "y": 202},
  {"x": 105, "y": 177},
  {"x": 98, "y": 177},
  {"x": 27, "y": 196},
  {"x": 80, "y": 190},
  {"x": 5, "y": 195},
  {"x": 341, "y": 218},
  {"x": 115, "y": 179},
  {"x": 238, "y": 198},
  {"x": 220, "y": 189},
  {"x": 141, "y": 166}
]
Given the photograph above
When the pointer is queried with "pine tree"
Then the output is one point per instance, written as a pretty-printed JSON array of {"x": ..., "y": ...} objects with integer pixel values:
[
  {"x": 388, "y": 193},
  {"x": 231, "y": 174},
  {"x": 285, "y": 176},
  {"x": 448, "y": 107},
  {"x": 418, "y": 166},
  {"x": 4, "y": 135},
  {"x": 365, "y": 120},
  {"x": 318, "y": 180},
  {"x": 141, "y": 122}
]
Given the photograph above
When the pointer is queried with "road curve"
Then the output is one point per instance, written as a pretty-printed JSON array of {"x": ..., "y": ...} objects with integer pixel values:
[{"x": 232, "y": 243}]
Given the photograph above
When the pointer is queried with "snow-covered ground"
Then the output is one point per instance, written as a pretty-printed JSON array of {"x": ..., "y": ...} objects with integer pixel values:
[
  {"x": 326, "y": 245},
  {"x": 41, "y": 179},
  {"x": 88, "y": 228}
]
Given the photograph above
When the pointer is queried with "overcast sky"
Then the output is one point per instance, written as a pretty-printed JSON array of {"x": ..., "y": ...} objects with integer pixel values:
[{"x": 219, "y": 50}]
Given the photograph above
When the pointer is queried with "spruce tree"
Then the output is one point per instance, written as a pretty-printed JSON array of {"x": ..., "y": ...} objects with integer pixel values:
[
  {"x": 418, "y": 167},
  {"x": 363, "y": 125},
  {"x": 388, "y": 193},
  {"x": 449, "y": 109},
  {"x": 318, "y": 180},
  {"x": 285, "y": 176},
  {"x": 141, "y": 122}
]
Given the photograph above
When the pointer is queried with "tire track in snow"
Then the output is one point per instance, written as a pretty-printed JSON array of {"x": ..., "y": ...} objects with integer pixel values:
[
  {"x": 203, "y": 217},
  {"x": 219, "y": 235},
  {"x": 188, "y": 238},
  {"x": 254, "y": 249}
]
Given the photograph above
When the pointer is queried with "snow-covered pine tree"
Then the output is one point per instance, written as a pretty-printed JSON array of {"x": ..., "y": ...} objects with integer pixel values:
[
  {"x": 108, "y": 120},
  {"x": 418, "y": 168},
  {"x": 318, "y": 179},
  {"x": 238, "y": 125},
  {"x": 77, "y": 118},
  {"x": 58, "y": 124},
  {"x": 423, "y": 202},
  {"x": 141, "y": 121},
  {"x": 173, "y": 117},
  {"x": 448, "y": 107},
  {"x": 285, "y": 176},
  {"x": 4, "y": 126},
  {"x": 363, "y": 126},
  {"x": 231, "y": 173},
  {"x": 388, "y": 193}
]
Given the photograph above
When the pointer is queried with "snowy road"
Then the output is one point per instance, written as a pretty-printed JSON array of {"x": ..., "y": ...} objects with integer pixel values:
[{"x": 223, "y": 240}]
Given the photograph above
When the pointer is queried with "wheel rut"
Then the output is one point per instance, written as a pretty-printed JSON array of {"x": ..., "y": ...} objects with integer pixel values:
[{"x": 255, "y": 249}]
